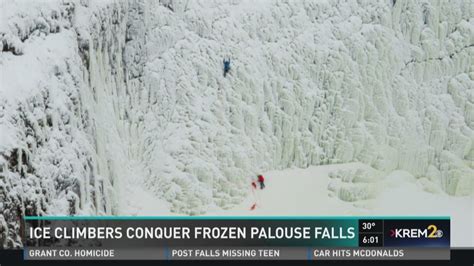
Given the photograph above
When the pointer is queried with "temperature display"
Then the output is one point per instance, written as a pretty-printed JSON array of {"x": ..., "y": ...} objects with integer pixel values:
[
  {"x": 371, "y": 233},
  {"x": 370, "y": 226}
]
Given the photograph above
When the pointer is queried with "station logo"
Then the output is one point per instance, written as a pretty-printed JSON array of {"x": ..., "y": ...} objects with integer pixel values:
[{"x": 431, "y": 231}]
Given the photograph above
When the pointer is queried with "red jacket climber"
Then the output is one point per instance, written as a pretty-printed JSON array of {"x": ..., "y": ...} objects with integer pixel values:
[{"x": 261, "y": 180}]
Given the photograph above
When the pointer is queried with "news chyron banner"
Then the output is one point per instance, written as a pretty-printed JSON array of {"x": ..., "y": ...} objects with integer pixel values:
[{"x": 237, "y": 238}]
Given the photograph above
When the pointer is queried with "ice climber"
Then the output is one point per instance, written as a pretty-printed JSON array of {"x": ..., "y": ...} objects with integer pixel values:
[
  {"x": 226, "y": 66},
  {"x": 261, "y": 180}
]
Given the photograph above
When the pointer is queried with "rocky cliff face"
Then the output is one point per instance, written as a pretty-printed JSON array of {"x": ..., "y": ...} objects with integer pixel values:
[
  {"x": 67, "y": 69},
  {"x": 100, "y": 96}
]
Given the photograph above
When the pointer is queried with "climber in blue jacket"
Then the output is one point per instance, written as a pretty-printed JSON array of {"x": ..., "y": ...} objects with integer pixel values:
[{"x": 226, "y": 66}]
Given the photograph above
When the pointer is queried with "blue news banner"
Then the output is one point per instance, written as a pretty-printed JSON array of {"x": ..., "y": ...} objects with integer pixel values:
[{"x": 237, "y": 238}]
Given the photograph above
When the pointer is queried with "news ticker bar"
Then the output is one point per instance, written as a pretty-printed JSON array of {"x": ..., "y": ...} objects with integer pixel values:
[
  {"x": 237, "y": 253},
  {"x": 292, "y": 237}
]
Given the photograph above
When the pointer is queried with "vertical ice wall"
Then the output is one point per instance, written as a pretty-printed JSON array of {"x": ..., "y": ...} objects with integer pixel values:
[
  {"x": 386, "y": 83},
  {"x": 68, "y": 69}
]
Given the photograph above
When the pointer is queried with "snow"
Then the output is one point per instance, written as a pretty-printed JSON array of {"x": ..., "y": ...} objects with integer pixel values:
[
  {"x": 316, "y": 191},
  {"x": 312, "y": 83},
  {"x": 120, "y": 107},
  {"x": 313, "y": 192}
]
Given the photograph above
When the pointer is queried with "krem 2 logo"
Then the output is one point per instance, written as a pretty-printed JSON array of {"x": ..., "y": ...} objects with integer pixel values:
[{"x": 431, "y": 231}]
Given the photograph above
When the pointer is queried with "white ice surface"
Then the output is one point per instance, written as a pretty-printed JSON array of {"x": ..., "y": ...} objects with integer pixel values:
[{"x": 304, "y": 192}]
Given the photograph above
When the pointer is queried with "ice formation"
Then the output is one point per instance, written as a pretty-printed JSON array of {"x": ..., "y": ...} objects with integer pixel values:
[{"x": 100, "y": 98}]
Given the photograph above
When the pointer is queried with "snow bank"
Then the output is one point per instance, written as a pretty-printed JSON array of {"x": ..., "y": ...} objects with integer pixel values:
[{"x": 355, "y": 189}]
